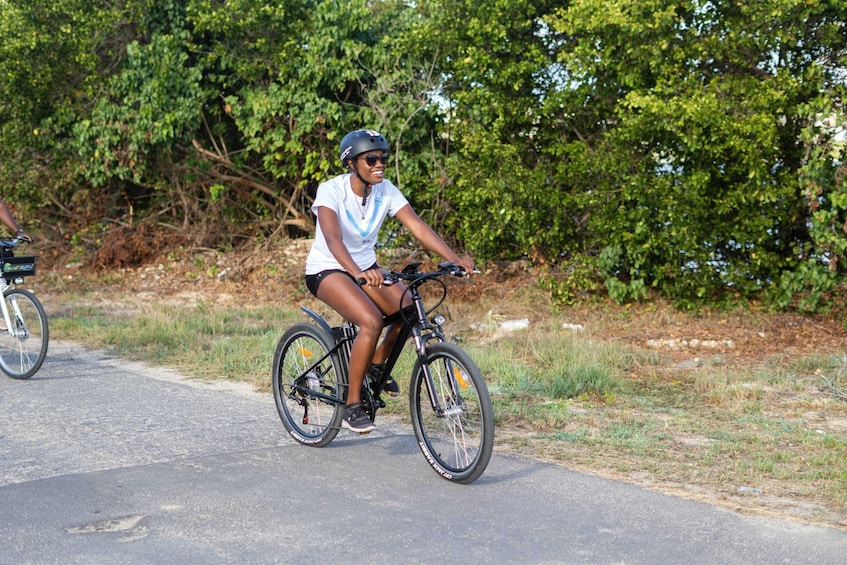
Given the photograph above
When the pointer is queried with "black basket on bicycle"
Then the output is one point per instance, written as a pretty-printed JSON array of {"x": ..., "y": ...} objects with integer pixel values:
[{"x": 14, "y": 267}]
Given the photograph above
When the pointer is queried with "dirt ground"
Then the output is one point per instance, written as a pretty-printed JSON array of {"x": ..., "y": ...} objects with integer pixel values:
[{"x": 744, "y": 336}]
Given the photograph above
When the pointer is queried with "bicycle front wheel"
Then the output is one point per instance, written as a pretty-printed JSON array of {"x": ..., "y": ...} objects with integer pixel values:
[
  {"x": 458, "y": 437},
  {"x": 23, "y": 346},
  {"x": 308, "y": 387}
]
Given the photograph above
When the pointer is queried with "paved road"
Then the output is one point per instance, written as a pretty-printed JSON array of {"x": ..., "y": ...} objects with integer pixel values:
[{"x": 105, "y": 461}]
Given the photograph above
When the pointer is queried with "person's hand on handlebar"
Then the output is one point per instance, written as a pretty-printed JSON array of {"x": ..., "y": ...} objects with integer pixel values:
[
  {"x": 24, "y": 236},
  {"x": 467, "y": 264},
  {"x": 371, "y": 277}
]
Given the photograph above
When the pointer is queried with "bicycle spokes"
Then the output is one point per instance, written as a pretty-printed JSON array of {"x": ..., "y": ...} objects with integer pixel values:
[
  {"x": 305, "y": 385},
  {"x": 451, "y": 410},
  {"x": 451, "y": 413},
  {"x": 21, "y": 331}
]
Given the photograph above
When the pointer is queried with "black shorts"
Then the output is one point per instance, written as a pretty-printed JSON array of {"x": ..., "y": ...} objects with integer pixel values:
[{"x": 314, "y": 281}]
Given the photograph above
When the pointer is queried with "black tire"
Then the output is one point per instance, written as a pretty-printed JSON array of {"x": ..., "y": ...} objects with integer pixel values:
[
  {"x": 458, "y": 442},
  {"x": 310, "y": 420},
  {"x": 23, "y": 347}
]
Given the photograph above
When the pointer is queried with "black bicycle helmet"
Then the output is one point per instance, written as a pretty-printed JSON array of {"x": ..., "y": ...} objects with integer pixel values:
[{"x": 357, "y": 142}]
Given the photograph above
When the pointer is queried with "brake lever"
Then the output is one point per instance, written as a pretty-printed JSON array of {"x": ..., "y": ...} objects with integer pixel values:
[{"x": 390, "y": 279}]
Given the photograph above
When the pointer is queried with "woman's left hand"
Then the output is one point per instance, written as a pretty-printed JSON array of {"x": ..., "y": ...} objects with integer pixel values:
[{"x": 467, "y": 264}]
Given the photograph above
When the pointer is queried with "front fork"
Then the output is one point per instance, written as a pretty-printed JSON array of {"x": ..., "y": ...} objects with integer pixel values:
[
  {"x": 421, "y": 339},
  {"x": 7, "y": 315}
]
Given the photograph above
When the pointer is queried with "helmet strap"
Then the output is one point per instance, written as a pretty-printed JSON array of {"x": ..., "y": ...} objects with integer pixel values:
[{"x": 365, "y": 191}]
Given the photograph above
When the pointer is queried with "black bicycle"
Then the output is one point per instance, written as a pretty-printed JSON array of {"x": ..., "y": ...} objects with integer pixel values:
[
  {"x": 449, "y": 402},
  {"x": 24, "y": 334}
]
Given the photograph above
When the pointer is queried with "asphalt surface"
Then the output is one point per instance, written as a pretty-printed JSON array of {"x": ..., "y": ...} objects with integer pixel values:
[{"x": 107, "y": 461}]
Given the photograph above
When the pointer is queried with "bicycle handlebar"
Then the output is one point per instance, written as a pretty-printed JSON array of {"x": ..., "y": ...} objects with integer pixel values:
[
  {"x": 410, "y": 273},
  {"x": 14, "y": 242}
]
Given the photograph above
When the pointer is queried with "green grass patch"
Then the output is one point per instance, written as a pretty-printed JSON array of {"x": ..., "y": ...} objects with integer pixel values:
[
  {"x": 206, "y": 342},
  {"x": 551, "y": 365}
]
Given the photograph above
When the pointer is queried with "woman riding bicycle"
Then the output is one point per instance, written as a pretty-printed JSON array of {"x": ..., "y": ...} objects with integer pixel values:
[{"x": 350, "y": 211}]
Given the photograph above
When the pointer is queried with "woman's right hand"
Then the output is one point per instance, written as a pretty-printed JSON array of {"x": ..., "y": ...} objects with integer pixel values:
[{"x": 371, "y": 277}]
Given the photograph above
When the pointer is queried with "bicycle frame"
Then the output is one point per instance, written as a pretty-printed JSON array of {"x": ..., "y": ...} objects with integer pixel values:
[
  {"x": 421, "y": 329},
  {"x": 25, "y": 348},
  {"x": 10, "y": 280},
  {"x": 454, "y": 428}
]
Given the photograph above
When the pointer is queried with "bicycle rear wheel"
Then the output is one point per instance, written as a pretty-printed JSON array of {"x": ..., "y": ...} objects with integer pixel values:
[
  {"x": 458, "y": 440},
  {"x": 308, "y": 386},
  {"x": 23, "y": 346}
]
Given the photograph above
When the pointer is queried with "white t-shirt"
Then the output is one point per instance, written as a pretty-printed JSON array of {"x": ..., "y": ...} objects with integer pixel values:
[{"x": 360, "y": 225}]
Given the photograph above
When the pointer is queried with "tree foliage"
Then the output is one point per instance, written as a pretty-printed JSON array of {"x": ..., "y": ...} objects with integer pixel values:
[
  {"x": 702, "y": 154},
  {"x": 694, "y": 148}
]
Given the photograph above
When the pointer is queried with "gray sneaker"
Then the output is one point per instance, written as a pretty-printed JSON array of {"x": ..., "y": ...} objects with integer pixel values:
[{"x": 356, "y": 420}]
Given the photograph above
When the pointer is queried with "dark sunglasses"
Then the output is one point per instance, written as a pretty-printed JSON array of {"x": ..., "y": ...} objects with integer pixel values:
[{"x": 372, "y": 159}]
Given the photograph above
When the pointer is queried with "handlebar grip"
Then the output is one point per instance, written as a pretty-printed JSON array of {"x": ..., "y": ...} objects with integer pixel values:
[
  {"x": 385, "y": 282},
  {"x": 462, "y": 272}
]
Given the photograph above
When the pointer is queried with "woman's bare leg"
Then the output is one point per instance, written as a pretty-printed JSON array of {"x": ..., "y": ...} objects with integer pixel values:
[
  {"x": 365, "y": 307},
  {"x": 344, "y": 296},
  {"x": 387, "y": 299}
]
